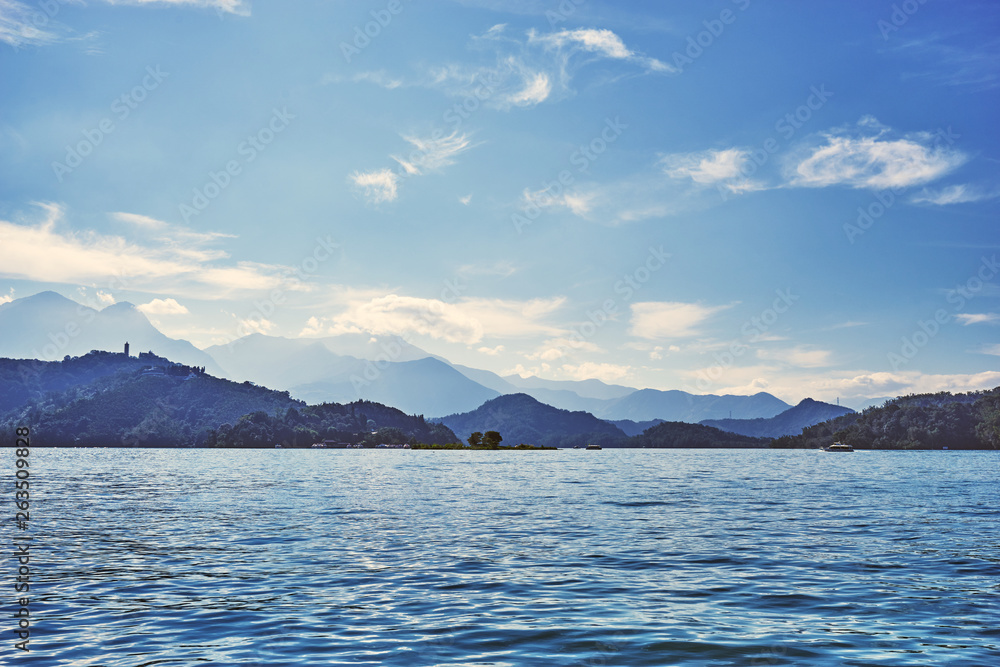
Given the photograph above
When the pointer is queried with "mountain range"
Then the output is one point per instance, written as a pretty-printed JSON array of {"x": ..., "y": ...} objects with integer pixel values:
[
  {"x": 48, "y": 326},
  {"x": 522, "y": 419},
  {"x": 349, "y": 367},
  {"x": 108, "y": 399},
  {"x": 790, "y": 422},
  {"x": 266, "y": 382}
]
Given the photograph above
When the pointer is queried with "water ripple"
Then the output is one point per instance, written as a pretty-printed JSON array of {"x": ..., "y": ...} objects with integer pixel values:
[{"x": 682, "y": 557}]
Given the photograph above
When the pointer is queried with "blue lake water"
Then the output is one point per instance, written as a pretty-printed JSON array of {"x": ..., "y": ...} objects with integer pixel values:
[{"x": 617, "y": 557}]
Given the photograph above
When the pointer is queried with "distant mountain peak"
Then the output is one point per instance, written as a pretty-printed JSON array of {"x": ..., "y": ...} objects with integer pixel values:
[
  {"x": 121, "y": 306},
  {"x": 790, "y": 422}
]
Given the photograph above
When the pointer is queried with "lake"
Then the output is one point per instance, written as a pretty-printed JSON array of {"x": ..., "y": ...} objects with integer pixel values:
[{"x": 571, "y": 557}]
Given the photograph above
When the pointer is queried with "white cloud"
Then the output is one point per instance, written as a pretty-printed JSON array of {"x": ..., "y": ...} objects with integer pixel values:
[
  {"x": 559, "y": 347},
  {"x": 501, "y": 268},
  {"x": 183, "y": 241},
  {"x": 669, "y": 319},
  {"x": 706, "y": 167},
  {"x": 20, "y": 25},
  {"x": 314, "y": 327},
  {"x": 105, "y": 298},
  {"x": 379, "y": 78},
  {"x": 991, "y": 349},
  {"x": 658, "y": 351},
  {"x": 139, "y": 220},
  {"x": 491, "y": 351},
  {"x": 255, "y": 325},
  {"x": 799, "y": 356},
  {"x": 527, "y": 70},
  {"x": 8, "y": 297},
  {"x": 467, "y": 321},
  {"x": 466, "y": 200},
  {"x": 376, "y": 186},
  {"x": 428, "y": 154},
  {"x": 978, "y": 318},
  {"x": 601, "y": 42},
  {"x": 850, "y": 386},
  {"x": 45, "y": 253},
  {"x": 431, "y": 154},
  {"x": 525, "y": 372},
  {"x": 876, "y": 161},
  {"x": 162, "y": 307},
  {"x": 579, "y": 203},
  {"x": 953, "y": 194},
  {"x": 239, "y": 7},
  {"x": 404, "y": 315},
  {"x": 601, "y": 371},
  {"x": 537, "y": 88}
]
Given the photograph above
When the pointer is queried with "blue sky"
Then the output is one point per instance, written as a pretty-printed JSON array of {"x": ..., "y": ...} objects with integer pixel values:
[{"x": 727, "y": 196}]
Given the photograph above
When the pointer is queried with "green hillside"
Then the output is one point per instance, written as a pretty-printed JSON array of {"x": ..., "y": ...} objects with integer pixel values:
[
  {"x": 522, "y": 419},
  {"x": 110, "y": 400},
  {"x": 918, "y": 421},
  {"x": 682, "y": 434}
]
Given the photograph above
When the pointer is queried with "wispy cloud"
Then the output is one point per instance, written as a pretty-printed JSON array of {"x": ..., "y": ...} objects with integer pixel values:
[
  {"x": 655, "y": 320},
  {"x": 978, "y": 318},
  {"x": 428, "y": 154},
  {"x": 431, "y": 154},
  {"x": 953, "y": 60},
  {"x": 706, "y": 167},
  {"x": 378, "y": 77},
  {"x": 139, "y": 220},
  {"x": 239, "y": 7},
  {"x": 48, "y": 253},
  {"x": 860, "y": 159},
  {"x": 524, "y": 70},
  {"x": 953, "y": 194},
  {"x": 380, "y": 185},
  {"x": 183, "y": 240},
  {"x": 557, "y": 348},
  {"x": 22, "y": 24},
  {"x": 799, "y": 356},
  {"x": 19, "y": 25},
  {"x": 604, "y": 372},
  {"x": 603, "y": 43},
  {"x": 854, "y": 384},
  {"x": 578, "y": 202},
  {"x": 468, "y": 321}
]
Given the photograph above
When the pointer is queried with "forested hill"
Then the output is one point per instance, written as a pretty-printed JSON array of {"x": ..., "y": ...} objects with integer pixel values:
[
  {"x": 918, "y": 421},
  {"x": 24, "y": 380},
  {"x": 682, "y": 434},
  {"x": 519, "y": 418},
  {"x": 108, "y": 399}
]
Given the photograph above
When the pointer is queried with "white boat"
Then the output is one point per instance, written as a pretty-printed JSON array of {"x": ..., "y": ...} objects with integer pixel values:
[{"x": 838, "y": 447}]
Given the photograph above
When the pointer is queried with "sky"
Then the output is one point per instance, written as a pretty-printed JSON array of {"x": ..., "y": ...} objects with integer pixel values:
[{"x": 724, "y": 196}]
